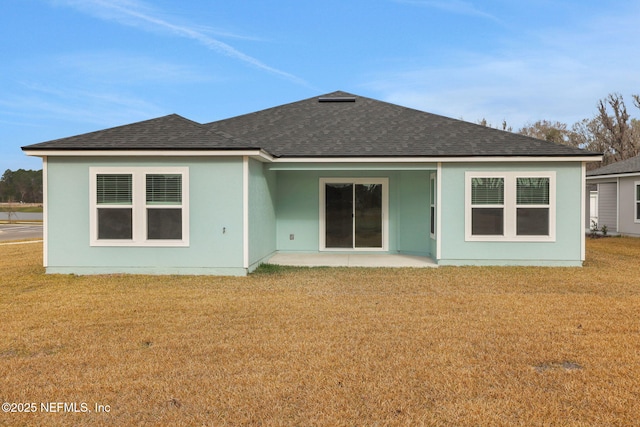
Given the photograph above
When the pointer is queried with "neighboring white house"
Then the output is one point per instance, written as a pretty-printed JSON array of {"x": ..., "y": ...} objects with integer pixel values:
[
  {"x": 618, "y": 196},
  {"x": 338, "y": 173}
]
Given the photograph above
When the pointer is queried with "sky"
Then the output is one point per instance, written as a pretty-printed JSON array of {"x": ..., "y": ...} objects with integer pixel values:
[{"x": 69, "y": 67}]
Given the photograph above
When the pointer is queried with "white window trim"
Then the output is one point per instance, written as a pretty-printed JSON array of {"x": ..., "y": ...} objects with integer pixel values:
[
  {"x": 432, "y": 205},
  {"x": 510, "y": 206},
  {"x": 385, "y": 212},
  {"x": 636, "y": 184},
  {"x": 139, "y": 206}
]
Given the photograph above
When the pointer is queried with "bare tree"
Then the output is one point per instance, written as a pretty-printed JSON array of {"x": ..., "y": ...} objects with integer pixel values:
[
  {"x": 549, "y": 131},
  {"x": 619, "y": 135},
  {"x": 485, "y": 123}
]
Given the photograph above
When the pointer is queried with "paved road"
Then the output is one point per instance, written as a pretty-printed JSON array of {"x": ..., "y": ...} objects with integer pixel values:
[
  {"x": 20, "y": 232},
  {"x": 22, "y": 216}
]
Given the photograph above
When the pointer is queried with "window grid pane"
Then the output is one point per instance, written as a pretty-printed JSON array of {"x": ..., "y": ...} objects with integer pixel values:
[
  {"x": 532, "y": 191},
  {"x": 164, "y": 189},
  {"x": 532, "y": 222},
  {"x": 164, "y": 223},
  {"x": 487, "y": 191},
  {"x": 115, "y": 223},
  {"x": 113, "y": 189},
  {"x": 487, "y": 221}
]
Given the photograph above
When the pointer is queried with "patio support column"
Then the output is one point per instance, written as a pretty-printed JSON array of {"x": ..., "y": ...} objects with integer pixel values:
[
  {"x": 583, "y": 212},
  {"x": 438, "y": 211},
  {"x": 45, "y": 212}
]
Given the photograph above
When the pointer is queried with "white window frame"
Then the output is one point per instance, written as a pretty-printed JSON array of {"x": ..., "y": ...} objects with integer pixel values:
[
  {"x": 432, "y": 206},
  {"x": 385, "y": 212},
  {"x": 636, "y": 202},
  {"x": 510, "y": 206},
  {"x": 139, "y": 206}
]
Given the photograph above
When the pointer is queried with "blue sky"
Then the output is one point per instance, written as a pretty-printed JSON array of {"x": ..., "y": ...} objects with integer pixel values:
[{"x": 74, "y": 66}]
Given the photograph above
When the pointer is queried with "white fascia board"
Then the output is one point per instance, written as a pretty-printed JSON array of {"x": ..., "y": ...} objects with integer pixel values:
[
  {"x": 432, "y": 159},
  {"x": 266, "y": 157},
  {"x": 612, "y": 176},
  {"x": 256, "y": 154}
]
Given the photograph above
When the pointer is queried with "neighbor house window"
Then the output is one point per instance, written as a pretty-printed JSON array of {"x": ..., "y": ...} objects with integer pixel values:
[
  {"x": 637, "y": 204},
  {"x": 139, "y": 206},
  {"x": 510, "y": 206}
]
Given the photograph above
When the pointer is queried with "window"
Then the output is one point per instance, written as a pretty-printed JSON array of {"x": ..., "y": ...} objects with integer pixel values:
[
  {"x": 432, "y": 205},
  {"x": 487, "y": 206},
  {"x": 139, "y": 206},
  {"x": 637, "y": 204},
  {"x": 164, "y": 211},
  {"x": 114, "y": 205},
  {"x": 532, "y": 199},
  {"x": 510, "y": 206}
]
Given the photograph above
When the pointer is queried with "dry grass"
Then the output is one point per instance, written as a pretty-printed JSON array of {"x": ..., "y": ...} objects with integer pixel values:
[{"x": 448, "y": 346}]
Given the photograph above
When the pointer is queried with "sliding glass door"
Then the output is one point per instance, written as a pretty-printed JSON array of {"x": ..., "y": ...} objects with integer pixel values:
[
  {"x": 353, "y": 213},
  {"x": 339, "y": 215}
]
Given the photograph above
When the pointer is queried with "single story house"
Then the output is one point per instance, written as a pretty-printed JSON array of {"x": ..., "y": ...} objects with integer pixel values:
[
  {"x": 617, "y": 197},
  {"x": 337, "y": 173}
]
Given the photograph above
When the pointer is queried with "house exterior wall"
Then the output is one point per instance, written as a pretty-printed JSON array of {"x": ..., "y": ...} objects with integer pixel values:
[
  {"x": 627, "y": 201},
  {"x": 262, "y": 214},
  {"x": 298, "y": 208},
  {"x": 215, "y": 220},
  {"x": 566, "y": 250},
  {"x": 413, "y": 213},
  {"x": 282, "y": 213},
  {"x": 608, "y": 206},
  {"x": 590, "y": 206}
]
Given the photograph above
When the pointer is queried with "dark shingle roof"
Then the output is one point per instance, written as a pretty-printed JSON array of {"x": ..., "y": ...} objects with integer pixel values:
[
  {"x": 167, "y": 132},
  {"x": 631, "y": 165},
  {"x": 338, "y": 124},
  {"x": 368, "y": 127}
]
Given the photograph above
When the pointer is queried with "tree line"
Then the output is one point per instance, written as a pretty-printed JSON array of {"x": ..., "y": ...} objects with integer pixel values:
[
  {"x": 21, "y": 186},
  {"x": 611, "y": 131}
]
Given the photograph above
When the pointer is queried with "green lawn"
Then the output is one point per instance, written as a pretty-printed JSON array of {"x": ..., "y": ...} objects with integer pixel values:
[
  {"x": 457, "y": 346},
  {"x": 19, "y": 208}
]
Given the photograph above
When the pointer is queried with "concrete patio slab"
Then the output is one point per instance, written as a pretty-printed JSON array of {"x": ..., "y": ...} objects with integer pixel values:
[{"x": 351, "y": 260}]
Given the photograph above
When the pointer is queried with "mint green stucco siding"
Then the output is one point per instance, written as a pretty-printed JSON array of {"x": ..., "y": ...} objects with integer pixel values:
[
  {"x": 298, "y": 207},
  {"x": 282, "y": 214},
  {"x": 565, "y": 250},
  {"x": 262, "y": 213},
  {"x": 215, "y": 220}
]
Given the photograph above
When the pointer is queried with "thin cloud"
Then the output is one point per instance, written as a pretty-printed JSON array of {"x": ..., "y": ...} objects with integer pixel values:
[
  {"x": 452, "y": 6},
  {"x": 121, "y": 67},
  {"x": 135, "y": 14},
  {"x": 546, "y": 73},
  {"x": 89, "y": 106}
]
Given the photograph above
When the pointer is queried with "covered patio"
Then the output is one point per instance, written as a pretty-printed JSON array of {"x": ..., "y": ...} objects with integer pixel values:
[{"x": 351, "y": 260}]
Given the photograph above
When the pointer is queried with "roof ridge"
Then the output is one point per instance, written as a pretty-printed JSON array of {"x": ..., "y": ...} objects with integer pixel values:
[{"x": 300, "y": 101}]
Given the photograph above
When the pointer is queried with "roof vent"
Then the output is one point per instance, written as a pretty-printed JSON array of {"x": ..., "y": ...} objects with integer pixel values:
[{"x": 337, "y": 99}]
